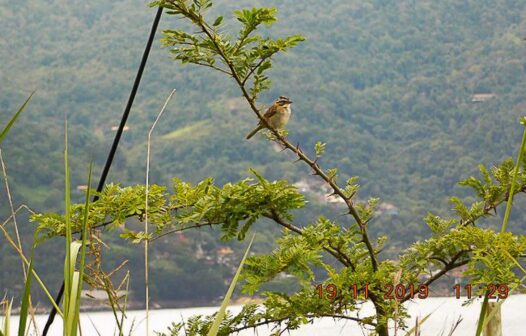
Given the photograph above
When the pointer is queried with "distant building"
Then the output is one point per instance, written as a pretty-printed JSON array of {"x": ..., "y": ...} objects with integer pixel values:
[
  {"x": 224, "y": 255},
  {"x": 182, "y": 237},
  {"x": 319, "y": 190},
  {"x": 457, "y": 273},
  {"x": 481, "y": 97},
  {"x": 98, "y": 294},
  {"x": 303, "y": 185},
  {"x": 115, "y": 128},
  {"x": 313, "y": 186},
  {"x": 387, "y": 209},
  {"x": 224, "y": 250},
  {"x": 334, "y": 199},
  {"x": 199, "y": 252}
]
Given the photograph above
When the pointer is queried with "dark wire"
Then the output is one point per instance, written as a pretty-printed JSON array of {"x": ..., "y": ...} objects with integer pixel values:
[{"x": 115, "y": 144}]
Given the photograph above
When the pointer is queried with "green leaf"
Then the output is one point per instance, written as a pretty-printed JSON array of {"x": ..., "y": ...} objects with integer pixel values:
[
  {"x": 218, "y": 21},
  {"x": 14, "y": 118},
  {"x": 264, "y": 66},
  {"x": 332, "y": 172},
  {"x": 135, "y": 237},
  {"x": 319, "y": 148}
]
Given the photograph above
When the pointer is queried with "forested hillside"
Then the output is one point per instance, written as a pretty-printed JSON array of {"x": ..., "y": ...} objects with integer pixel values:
[{"x": 392, "y": 87}]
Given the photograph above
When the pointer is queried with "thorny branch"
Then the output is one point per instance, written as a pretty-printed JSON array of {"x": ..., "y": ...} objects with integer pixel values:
[{"x": 313, "y": 164}]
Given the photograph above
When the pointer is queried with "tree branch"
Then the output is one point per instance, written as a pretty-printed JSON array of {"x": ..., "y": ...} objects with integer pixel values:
[
  {"x": 295, "y": 149},
  {"x": 263, "y": 59},
  {"x": 311, "y": 316},
  {"x": 447, "y": 267},
  {"x": 336, "y": 253}
]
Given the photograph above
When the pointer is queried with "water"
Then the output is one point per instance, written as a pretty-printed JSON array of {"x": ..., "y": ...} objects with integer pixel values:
[{"x": 445, "y": 312}]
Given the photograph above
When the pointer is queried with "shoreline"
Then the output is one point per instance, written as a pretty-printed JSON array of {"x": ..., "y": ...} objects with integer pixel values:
[{"x": 195, "y": 304}]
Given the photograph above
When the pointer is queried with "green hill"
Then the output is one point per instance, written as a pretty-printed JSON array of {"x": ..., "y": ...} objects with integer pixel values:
[{"x": 389, "y": 85}]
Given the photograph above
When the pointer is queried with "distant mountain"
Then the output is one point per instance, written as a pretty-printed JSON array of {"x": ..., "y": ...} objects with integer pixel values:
[{"x": 409, "y": 95}]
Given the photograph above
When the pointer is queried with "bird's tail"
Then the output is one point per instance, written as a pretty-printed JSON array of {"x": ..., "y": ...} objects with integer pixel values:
[{"x": 257, "y": 129}]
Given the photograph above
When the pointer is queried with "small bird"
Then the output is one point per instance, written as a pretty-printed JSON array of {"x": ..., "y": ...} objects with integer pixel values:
[{"x": 277, "y": 116}]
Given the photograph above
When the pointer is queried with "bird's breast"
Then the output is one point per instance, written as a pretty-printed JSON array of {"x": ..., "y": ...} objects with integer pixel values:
[{"x": 281, "y": 118}]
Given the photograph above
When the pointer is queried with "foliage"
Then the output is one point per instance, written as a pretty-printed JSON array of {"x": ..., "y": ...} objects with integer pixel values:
[
  {"x": 387, "y": 85},
  {"x": 234, "y": 206},
  {"x": 400, "y": 97},
  {"x": 249, "y": 54},
  {"x": 347, "y": 256}
]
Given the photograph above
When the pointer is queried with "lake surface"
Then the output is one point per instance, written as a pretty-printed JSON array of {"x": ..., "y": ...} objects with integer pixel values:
[{"x": 446, "y": 311}]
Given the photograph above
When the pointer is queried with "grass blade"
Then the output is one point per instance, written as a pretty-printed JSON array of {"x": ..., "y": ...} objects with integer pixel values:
[
  {"x": 214, "y": 329},
  {"x": 83, "y": 247},
  {"x": 412, "y": 330},
  {"x": 14, "y": 118},
  {"x": 69, "y": 262},
  {"x": 71, "y": 316},
  {"x": 514, "y": 178},
  {"x": 24, "y": 308},
  {"x": 123, "y": 315},
  {"x": 7, "y": 318}
]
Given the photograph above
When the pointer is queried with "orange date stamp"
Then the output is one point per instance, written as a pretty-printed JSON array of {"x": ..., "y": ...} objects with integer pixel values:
[
  {"x": 389, "y": 292},
  {"x": 401, "y": 292}
]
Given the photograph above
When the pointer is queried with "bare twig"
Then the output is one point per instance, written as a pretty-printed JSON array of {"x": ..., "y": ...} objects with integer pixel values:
[
  {"x": 21, "y": 207},
  {"x": 12, "y": 208}
]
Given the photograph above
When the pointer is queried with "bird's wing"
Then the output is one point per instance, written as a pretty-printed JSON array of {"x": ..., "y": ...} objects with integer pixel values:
[{"x": 270, "y": 112}]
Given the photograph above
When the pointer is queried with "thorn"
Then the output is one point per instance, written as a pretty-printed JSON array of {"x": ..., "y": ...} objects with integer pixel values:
[{"x": 297, "y": 160}]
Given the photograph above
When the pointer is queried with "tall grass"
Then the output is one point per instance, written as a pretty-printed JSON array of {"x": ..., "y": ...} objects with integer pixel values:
[
  {"x": 214, "y": 329},
  {"x": 5, "y": 327},
  {"x": 146, "y": 218},
  {"x": 28, "y": 275},
  {"x": 73, "y": 279},
  {"x": 26, "y": 297},
  {"x": 12, "y": 121}
]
